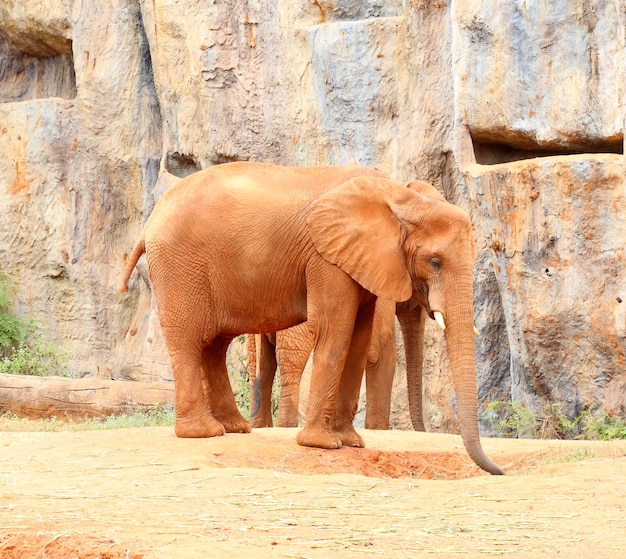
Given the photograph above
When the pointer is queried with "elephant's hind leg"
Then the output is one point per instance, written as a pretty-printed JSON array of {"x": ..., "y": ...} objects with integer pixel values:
[
  {"x": 193, "y": 416},
  {"x": 220, "y": 393}
]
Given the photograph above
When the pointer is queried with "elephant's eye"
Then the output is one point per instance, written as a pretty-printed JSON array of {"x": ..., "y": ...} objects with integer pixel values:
[{"x": 436, "y": 264}]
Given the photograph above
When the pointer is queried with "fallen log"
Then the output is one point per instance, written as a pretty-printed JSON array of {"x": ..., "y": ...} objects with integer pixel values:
[{"x": 65, "y": 398}]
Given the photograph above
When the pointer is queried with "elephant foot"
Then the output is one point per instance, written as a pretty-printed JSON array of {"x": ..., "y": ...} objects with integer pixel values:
[
  {"x": 349, "y": 436},
  {"x": 236, "y": 425},
  {"x": 230, "y": 417},
  {"x": 198, "y": 428},
  {"x": 318, "y": 438}
]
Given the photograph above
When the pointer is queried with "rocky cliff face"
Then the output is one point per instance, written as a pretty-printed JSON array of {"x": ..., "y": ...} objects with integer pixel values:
[{"x": 514, "y": 110}]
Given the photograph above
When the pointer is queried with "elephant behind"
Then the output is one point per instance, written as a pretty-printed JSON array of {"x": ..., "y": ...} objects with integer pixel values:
[{"x": 289, "y": 350}]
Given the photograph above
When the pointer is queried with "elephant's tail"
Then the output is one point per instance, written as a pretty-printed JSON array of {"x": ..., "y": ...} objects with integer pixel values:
[{"x": 134, "y": 257}]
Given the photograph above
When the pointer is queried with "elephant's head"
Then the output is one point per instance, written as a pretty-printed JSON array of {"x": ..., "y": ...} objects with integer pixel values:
[{"x": 409, "y": 243}]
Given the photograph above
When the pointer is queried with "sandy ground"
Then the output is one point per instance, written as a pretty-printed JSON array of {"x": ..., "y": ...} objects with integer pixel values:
[{"x": 133, "y": 493}]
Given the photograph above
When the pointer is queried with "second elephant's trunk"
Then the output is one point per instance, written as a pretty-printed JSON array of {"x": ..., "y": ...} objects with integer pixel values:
[{"x": 412, "y": 322}]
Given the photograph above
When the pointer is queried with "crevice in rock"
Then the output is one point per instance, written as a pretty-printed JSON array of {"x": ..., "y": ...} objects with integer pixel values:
[
  {"x": 25, "y": 76},
  {"x": 493, "y": 148},
  {"x": 181, "y": 165},
  {"x": 219, "y": 158}
]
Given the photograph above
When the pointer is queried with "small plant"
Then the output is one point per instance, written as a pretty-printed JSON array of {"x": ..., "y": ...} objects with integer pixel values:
[
  {"x": 35, "y": 357},
  {"x": 510, "y": 419},
  {"x": 156, "y": 415},
  {"x": 23, "y": 350},
  {"x": 603, "y": 427},
  {"x": 13, "y": 330},
  {"x": 553, "y": 423}
]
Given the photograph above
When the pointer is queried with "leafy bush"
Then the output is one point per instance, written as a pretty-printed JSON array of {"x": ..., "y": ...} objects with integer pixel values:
[
  {"x": 510, "y": 419},
  {"x": 13, "y": 330},
  {"x": 35, "y": 357},
  {"x": 23, "y": 350},
  {"x": 603, "y": 427},
  {"x": 156, "y": 415}
]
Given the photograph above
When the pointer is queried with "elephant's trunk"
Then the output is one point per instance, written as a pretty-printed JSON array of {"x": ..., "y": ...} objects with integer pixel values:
[{"x": 460, "y": 343}]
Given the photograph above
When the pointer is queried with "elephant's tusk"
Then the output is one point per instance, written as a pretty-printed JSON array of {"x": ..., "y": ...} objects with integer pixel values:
[
  {"x": 476, "y": 331},
  {"x": 439, "y": 320}
]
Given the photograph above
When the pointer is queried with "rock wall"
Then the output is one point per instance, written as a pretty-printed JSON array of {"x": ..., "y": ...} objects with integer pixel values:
[{"x": 514, "y": 110}]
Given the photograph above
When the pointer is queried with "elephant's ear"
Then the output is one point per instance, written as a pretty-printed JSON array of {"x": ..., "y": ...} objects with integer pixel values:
[{"x": 354, "y": 227}]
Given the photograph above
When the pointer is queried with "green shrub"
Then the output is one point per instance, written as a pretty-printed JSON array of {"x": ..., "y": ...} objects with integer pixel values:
[
  {"x": 554, "y": 423},
  {"x": 157, "y": 415},
  {"x": 603, "y": 427},
  {"x": 510, "y": 419},
  {"x": 13, "y": 330},
  {"x": 35, "y": 357},
  {"x": 23, "y": 350}
]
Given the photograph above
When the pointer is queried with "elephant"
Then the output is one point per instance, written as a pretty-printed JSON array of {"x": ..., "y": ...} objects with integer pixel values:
[
  {"x": 290, "y": 349},
  {"x": 246, "y": 247}
]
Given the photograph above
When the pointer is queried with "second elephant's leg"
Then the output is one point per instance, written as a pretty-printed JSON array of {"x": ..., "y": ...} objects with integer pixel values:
[
  {"x": 293, "y": 348},
  {"x": 262, "y": 368},
  {"x": 381, "y": 366},
  {"x": 220, "y": 393},
  {"x": 412, "y": 322}
]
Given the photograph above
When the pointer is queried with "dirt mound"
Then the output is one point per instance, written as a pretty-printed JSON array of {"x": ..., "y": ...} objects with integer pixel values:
[{"x": 362, "y": 461}]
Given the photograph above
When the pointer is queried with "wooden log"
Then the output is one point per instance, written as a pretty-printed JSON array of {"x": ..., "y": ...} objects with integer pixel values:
[{"x": 41, "y": 397}]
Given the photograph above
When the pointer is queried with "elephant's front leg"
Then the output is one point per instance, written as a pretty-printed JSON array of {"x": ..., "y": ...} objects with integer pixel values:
[
  {"x": 352, "y": 376},
  {"x": 412, "y": 320},
  {"x": 332, "y": 319},
  {"x": 318, "y": 430}
]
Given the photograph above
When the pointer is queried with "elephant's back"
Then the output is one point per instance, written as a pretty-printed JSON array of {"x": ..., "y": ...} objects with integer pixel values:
[
  {"x": 253, "y": 179},
  {"x": 246, "y": 193}
]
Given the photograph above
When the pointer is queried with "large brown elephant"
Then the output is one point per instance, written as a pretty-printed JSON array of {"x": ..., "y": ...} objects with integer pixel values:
[
  {"x": 250, "y": 247},
  {"x": 290, "y": 349}
]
